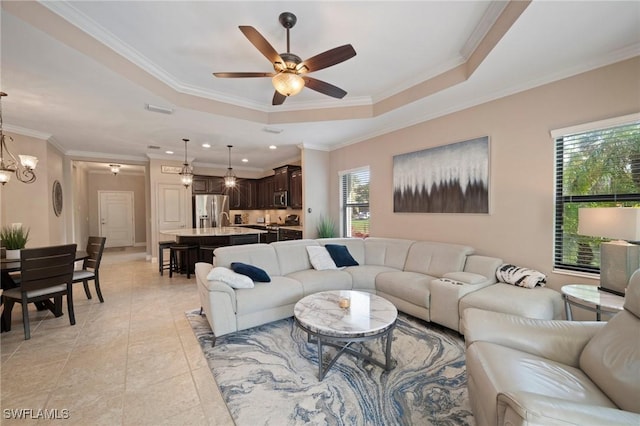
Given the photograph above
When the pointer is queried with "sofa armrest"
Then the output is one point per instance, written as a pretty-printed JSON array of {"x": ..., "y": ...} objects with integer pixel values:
[
  {"x": 446, "y": 292},
  {"x": 561, "y": 341},
  {"x": 483, "y": 265},
  {"x": 525, "y": 408},
  {"x": 218, "y": 301}
]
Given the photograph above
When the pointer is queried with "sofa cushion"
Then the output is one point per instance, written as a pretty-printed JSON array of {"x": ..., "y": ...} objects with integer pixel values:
[
  {"x": 612, "y": 360},
  {"x": 281, "y": 291},
  {"x": 411, "y": 287},
  {"x": 363, "y": 277},
  {"x": 540, "y": 303},
  {"x": 261, "y": 255},
  {"x": 292, "y": 255},
  {"x": 391, "y": 252},
  {"x": 436, "y": 259},
  {"x": 314, "y": 281},
  {"x": 250, "y": 271},
  {"x": 340, "y": 255}
]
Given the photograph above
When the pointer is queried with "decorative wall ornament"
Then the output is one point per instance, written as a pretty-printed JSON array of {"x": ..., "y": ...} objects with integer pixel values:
[
  {"x": 452, "y": 178},
  {"x": 56, "y": 195}
]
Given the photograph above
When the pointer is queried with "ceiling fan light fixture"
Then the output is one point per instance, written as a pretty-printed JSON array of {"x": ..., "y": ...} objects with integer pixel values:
[{"x": 288, "y": 83}]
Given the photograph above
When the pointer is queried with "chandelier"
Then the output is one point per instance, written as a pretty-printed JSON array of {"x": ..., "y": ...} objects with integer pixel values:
[
  {"x": 187, "y": 171},
  {"x": 8, "y": 162},
  {"x": 230, "y": 177}
]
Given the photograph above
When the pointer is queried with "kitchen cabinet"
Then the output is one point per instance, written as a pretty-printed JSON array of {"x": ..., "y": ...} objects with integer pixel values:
[
  {"x": 244, "y": 195},
  {"x": 295, "y": 189},
  {"x": 289, "y": 234},
  {"x": 266, "y": 188},
  {"x": 282, "y": 177},
  {"x": 207, "y": 184}
]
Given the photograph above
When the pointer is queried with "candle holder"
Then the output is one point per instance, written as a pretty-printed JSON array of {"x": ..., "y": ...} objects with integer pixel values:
[{"x": 344, "y": 302}]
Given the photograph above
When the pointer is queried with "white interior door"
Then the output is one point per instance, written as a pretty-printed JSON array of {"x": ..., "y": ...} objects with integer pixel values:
[
  {"x": 116, "y": 218},
  {"x": 172, "y": 208}
]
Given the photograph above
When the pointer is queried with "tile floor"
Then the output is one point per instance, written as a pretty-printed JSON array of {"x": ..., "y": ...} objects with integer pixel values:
[{"x": 132, "y": 360}]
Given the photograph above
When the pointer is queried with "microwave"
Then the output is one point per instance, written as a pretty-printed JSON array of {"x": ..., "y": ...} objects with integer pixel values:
[{"x": 280, "y": 199}]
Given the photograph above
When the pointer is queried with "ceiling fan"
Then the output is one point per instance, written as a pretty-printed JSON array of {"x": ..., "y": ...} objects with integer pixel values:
[{"x": 289, "y": 76}]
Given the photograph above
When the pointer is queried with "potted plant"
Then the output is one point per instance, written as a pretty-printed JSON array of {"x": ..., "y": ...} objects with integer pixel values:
[
  {"x": 326, "y": 227},
  {"x": 14, "y": 238}
]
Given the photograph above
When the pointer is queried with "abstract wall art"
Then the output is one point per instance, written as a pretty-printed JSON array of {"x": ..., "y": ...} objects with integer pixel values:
[{"x": 452, "y": 178}]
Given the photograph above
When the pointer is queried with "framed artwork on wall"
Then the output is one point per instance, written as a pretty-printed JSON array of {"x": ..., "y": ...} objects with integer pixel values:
[{"x": 452, "y": 178}]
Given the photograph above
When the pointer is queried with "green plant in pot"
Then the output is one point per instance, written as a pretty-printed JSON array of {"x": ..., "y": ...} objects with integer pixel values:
[
  {"x": 326, "y": 227},
  {"x": 14, "y": 239}
]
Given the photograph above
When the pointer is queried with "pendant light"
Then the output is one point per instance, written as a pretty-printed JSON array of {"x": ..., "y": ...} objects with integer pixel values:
[
  {"x": 187, "y": 171},
  {"x": 230, "y": 178}
]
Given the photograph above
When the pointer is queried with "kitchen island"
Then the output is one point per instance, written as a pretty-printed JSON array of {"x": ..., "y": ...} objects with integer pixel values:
[{"x": 207, "y": 239}]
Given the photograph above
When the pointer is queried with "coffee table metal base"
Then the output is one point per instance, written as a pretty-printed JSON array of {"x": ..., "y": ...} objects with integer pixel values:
[{"x": 344, "y": 346}]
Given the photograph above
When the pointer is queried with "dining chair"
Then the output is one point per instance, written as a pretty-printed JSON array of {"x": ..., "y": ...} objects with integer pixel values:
[
  {"x": 91, "y": 266},
  {"x": 46, "y": 273}
]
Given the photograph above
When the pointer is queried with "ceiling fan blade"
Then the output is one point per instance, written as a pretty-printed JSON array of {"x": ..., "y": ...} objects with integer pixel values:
[
  {"x": 278, "y": 98},
  {"x": 243, "y": 74},
  {"x": 324, "y": 87},
  {"x": 327, "y": 59},
  {"x": 261, "y": 44}
]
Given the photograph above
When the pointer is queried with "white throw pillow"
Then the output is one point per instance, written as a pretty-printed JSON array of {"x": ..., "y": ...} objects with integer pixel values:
[
  {"x": 320, "y": 258},
  {"x": 227, "y": 276}
]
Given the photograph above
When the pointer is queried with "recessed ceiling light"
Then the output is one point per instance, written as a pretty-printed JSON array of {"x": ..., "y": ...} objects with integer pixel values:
[
  {"x": 206, "y": 145},
  {"x": 244, "y": 160},
  {"x": 168, "y": 152},
  {"x": 273, "y": 147}
]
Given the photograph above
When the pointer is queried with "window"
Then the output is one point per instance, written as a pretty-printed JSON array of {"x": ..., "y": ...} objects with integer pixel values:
[
  {"x": 595, "y": 167},
  {"x": 355, "y": 203}
]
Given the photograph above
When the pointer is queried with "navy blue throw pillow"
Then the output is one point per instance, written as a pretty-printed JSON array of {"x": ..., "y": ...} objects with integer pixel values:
[
  {"x": 340, "y": 255},
  {"x": 253, "y": 272}
]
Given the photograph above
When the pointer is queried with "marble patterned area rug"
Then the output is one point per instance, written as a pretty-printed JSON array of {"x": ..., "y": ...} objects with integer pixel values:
[{"x": 268, "y": 376}]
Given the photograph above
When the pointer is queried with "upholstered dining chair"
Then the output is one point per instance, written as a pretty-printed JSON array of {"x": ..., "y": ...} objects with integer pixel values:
[
  {"x": 91, "y": 266},
  {"x": 45, "y": 273}
]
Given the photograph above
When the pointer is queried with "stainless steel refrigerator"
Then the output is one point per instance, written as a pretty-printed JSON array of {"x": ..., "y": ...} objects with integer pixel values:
[{"x": 210, "y": 211}]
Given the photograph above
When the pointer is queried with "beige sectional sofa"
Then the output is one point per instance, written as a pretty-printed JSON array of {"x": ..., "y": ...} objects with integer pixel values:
[
  {"x": 425, "y": 279},
  {"x": 525, "y": 371}
]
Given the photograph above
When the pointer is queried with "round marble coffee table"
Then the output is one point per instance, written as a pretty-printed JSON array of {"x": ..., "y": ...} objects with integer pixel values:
[{"x": 326, "y": 323}]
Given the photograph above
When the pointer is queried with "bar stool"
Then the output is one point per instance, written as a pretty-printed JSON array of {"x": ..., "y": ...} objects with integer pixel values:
[
  {"x": 162, "y": 246},
  {"x": 206, "y": 253},
  {"x": 185, "y": 258}
]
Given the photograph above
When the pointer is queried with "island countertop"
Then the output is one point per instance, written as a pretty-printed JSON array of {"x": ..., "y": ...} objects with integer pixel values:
[{"x": 225, "y": 231}]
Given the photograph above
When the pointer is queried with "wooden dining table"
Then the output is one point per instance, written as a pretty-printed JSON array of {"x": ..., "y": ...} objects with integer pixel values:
[{"x": 6, "y": 282}]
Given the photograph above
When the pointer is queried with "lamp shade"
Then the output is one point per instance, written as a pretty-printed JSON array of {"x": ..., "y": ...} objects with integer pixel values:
[{"x": 617, "y": 223}]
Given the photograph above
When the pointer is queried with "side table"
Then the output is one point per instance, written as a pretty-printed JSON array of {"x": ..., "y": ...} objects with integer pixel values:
[{"x": 590, "y": 298}]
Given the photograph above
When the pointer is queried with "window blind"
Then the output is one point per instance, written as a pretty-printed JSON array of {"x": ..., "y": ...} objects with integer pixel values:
[
  {"x": 596, "y": 168},
  {"x": 355, "y": 203}
]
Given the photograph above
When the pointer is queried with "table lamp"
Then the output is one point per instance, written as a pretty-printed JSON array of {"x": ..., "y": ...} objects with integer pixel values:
[{"x": 620, "y": 258}]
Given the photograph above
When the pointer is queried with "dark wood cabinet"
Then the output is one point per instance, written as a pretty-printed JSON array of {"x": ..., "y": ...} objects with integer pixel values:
[
  {"x": 266, "y": 188},
  {"x": 207, "y": 184},
  {"x": 289, "y": 234},
  {"x": 295, "y": 189},
  {"x": 244, "y": 195},
  {"x": 282, "y": 177}
]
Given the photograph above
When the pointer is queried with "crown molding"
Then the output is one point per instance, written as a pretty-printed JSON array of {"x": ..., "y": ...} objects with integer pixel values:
[{"x": 18, "y": 130}]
